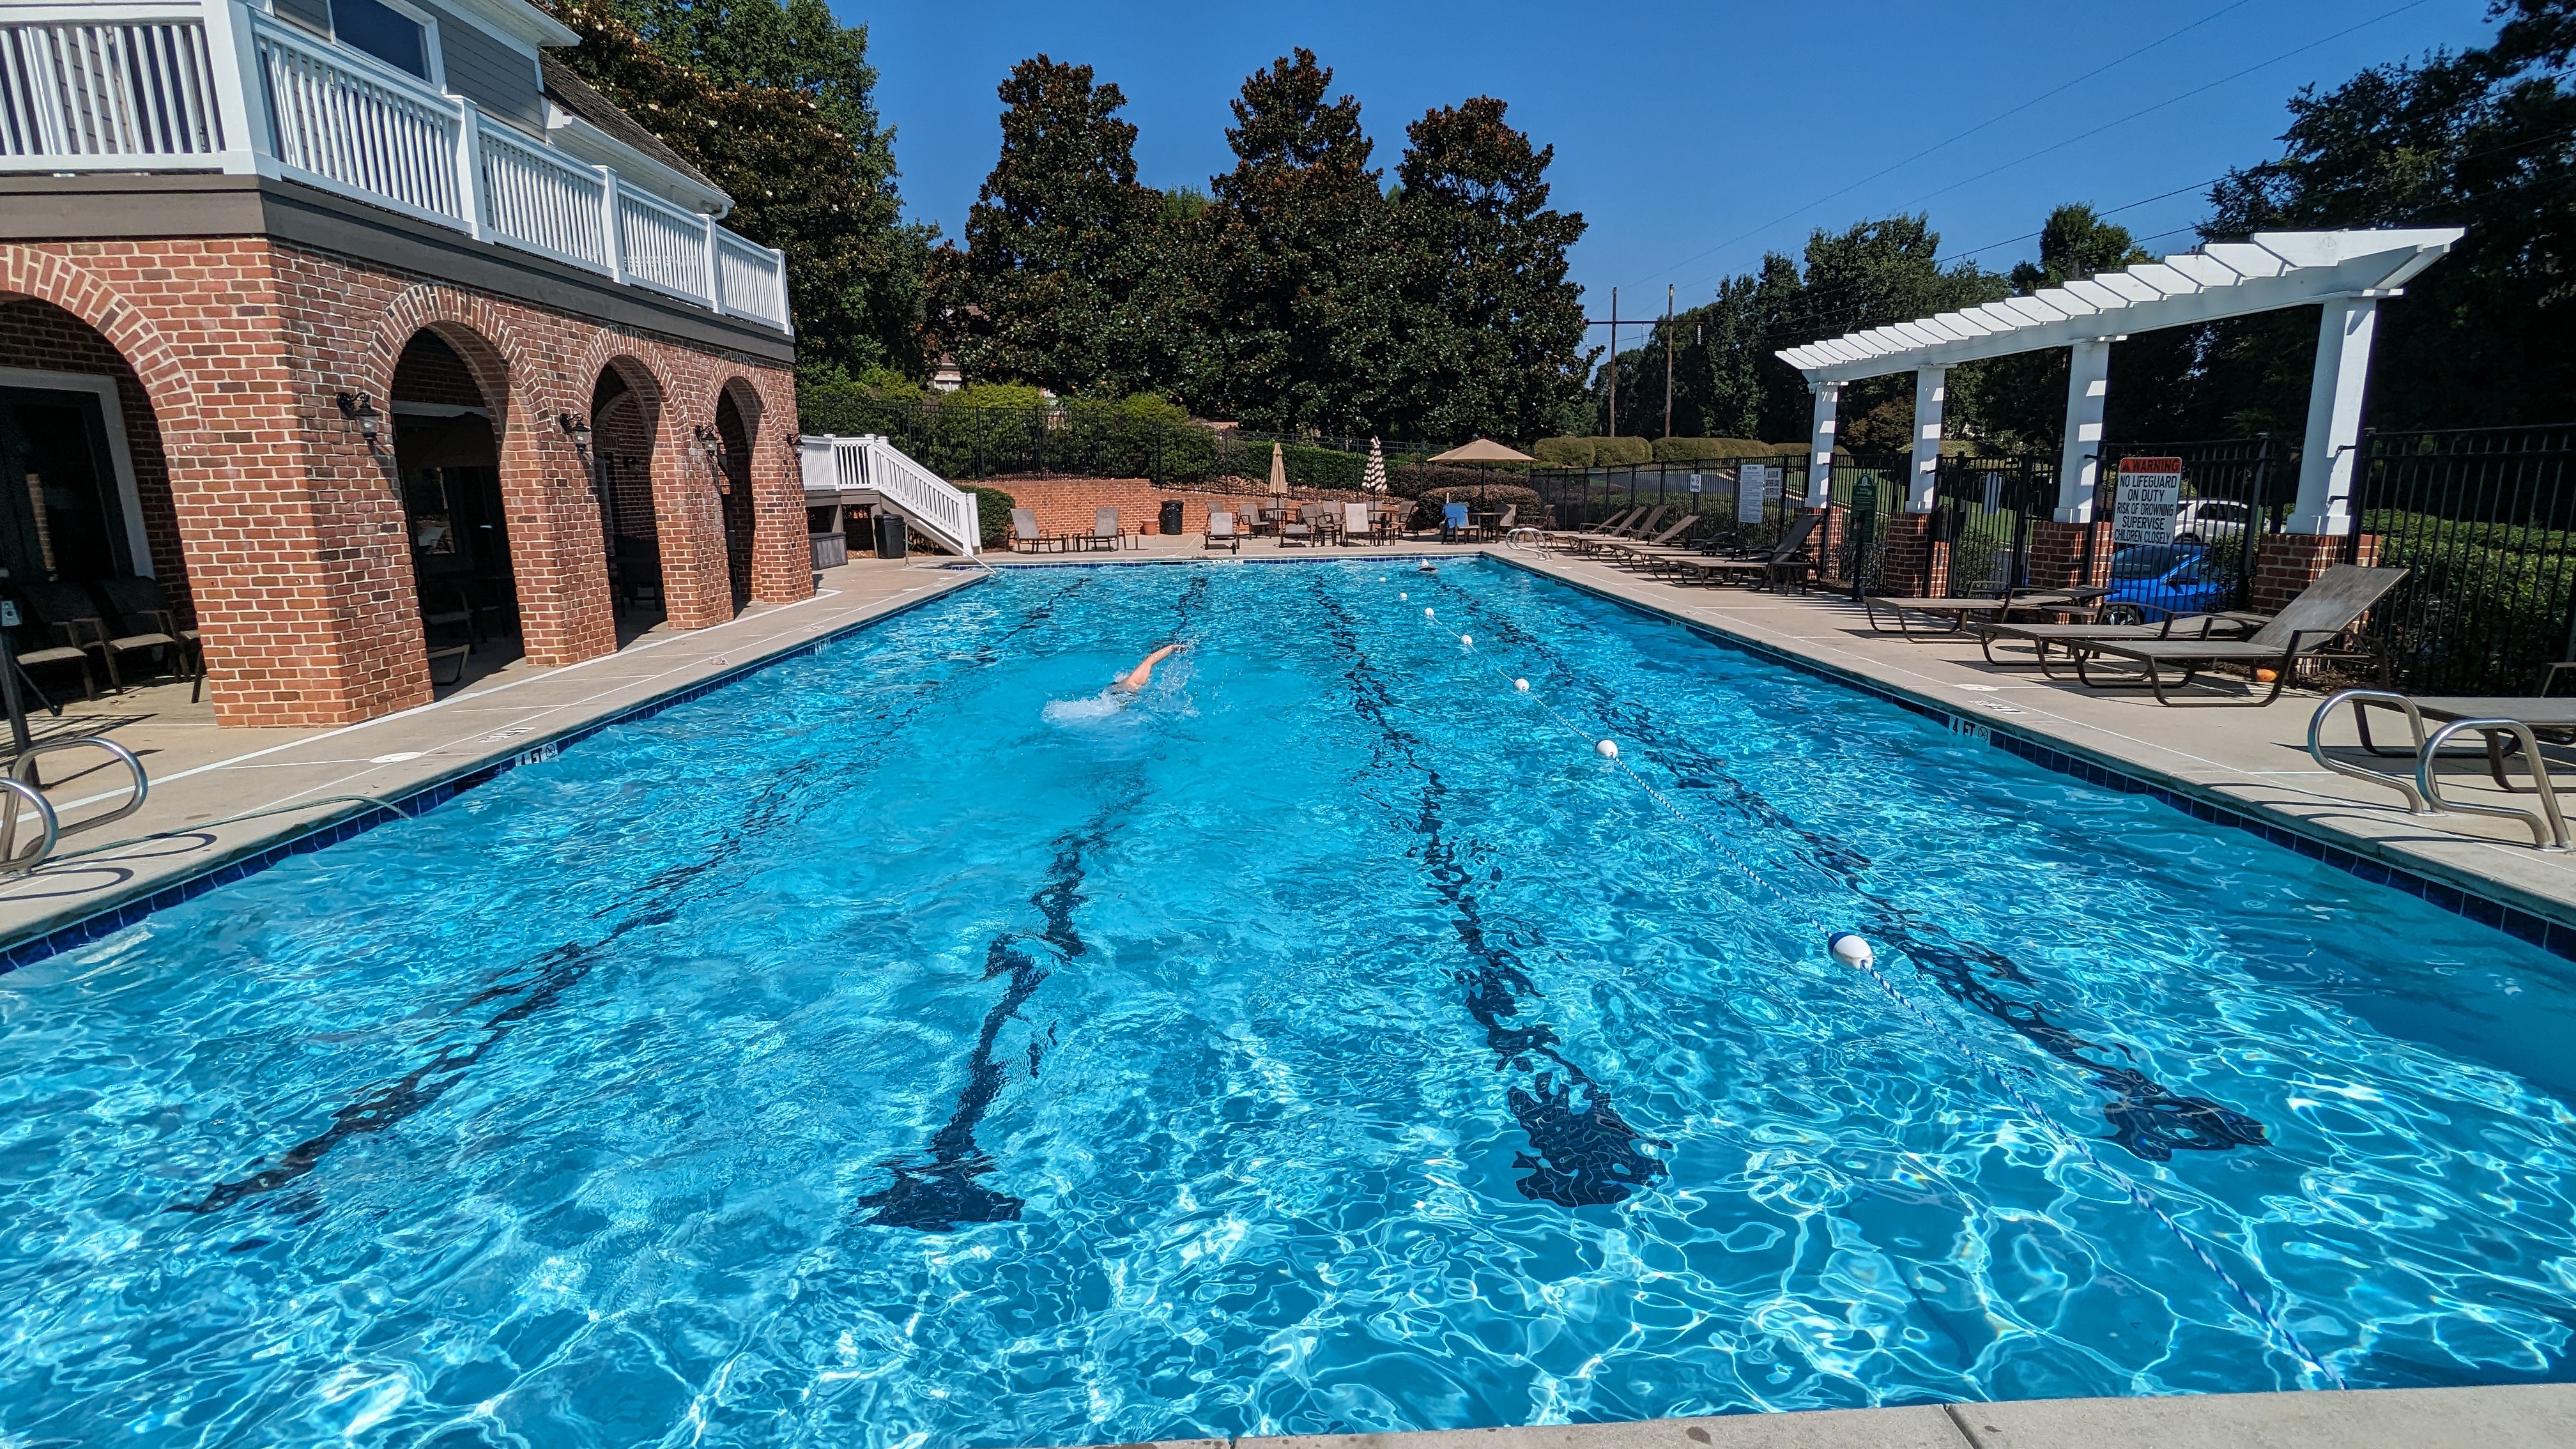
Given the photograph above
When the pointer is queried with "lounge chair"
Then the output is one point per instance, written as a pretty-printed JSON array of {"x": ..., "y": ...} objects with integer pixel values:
[
  {"x": 1960, "y": 611},
  {"x": 1785, "y": 559},
  {"x": 1356, "y": 526},
  {"x": 1299, "y": 530},
  {"x": 2520, "y": 720},
  {"x": 1556, "y": 536},
  {"x": 2321, "y": 612},
  {"x": 1638, "y": 527},
  {"x": 1105, "y": 532},
  {"x": 2225, "y": 624},
  {"x": 1453, "y": 522},
  {"x": 1646, "y": 551},
  {"x": 1221, "y": 533}
]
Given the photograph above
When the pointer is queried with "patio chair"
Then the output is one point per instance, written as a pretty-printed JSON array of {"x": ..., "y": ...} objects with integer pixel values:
[
  {"x": 85, "y": 626},
  {"x": 1646, "y": 551},
  {"x": 2225, "y": 624},
  {"x": 1105, "y": 532},
  {"x": 1453, "y": 522},
  {"x": 1221, "y": 533},
  {"x": 2321, "y": 612},
  {"x": 1356, "y": 525},
  {"x": 1027, "y": 536},
  {"x": 52, "y": 654},
  {"x": 142, "y": 610},
  {"x": 1298, "y": 531},
  {"x": 1641, "y": 526},
  {"x": 1785, "y": 559},
  {"x": 1961, "y": 611}
]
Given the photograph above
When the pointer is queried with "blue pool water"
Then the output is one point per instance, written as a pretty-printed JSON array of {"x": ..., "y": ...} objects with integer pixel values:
[{"x": 901, "y": 1048}]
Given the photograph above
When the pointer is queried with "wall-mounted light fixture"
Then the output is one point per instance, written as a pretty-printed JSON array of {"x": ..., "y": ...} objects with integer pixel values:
[
  {"x": 371, "y": 424},
  {"x": 578, "y": 431},
  {"x": 712, "y": 443}
]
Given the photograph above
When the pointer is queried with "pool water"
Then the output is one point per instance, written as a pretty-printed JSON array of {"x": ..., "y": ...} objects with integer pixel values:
[{"x": 908, "y": 1046}]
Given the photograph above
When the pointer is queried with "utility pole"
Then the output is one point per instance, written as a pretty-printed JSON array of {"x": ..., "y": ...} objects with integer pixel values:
[
  {"x": 1614, "y": 362},
  {"x": 1668, "y": 360}
]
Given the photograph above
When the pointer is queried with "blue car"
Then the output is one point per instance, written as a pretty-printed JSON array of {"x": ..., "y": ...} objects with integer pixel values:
[{"x": 2151, "y": 581}]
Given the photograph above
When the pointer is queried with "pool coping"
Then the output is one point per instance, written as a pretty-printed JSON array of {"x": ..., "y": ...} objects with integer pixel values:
[
  {"x": 91, "y": 921},
  {"x": 2528, "y": 917},
  {"x": 2507, "y": 1416}
]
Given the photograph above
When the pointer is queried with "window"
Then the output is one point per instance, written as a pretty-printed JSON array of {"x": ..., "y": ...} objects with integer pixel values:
[{"x": 383, "y": 32}]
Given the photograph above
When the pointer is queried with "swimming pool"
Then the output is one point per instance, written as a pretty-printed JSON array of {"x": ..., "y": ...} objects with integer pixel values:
[{"x": 898, "y": 1047}]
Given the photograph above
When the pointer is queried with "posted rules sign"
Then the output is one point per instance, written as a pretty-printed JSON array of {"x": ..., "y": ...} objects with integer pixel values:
[
  {"x": 1756, "y": 484},
  {"x": 2150, "y": 491}
]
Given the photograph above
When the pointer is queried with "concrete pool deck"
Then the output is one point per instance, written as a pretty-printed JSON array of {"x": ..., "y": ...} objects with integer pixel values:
[
  {"x": 2248, "y": 762},
  {"x": 2525, "y": 1416}
]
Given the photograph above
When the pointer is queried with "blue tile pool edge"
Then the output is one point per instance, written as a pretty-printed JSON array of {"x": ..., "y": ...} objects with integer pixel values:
[
  {"x": 304, "y": 839},
  {"x": 2553, "y": 933}
]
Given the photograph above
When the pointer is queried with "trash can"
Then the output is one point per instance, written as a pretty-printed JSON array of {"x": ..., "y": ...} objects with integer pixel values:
[
  {"x": 1172, "y": 518},
  {"x": 889, "y": 536}
]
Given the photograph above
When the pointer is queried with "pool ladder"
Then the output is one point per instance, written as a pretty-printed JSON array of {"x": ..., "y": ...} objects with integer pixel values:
[{"x": 20, "y": 800}]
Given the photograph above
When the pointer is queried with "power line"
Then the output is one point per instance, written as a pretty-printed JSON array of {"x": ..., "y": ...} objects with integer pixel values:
[{"x": 1961, "y": 136}]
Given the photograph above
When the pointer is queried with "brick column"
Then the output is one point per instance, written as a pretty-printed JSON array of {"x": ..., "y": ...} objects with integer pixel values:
[
  {"x": 2057, "y": 559},
  {"x": 2285, "y": 563},
  {"x": 1936, "y": 573},
  {"x": 1909, "y": 554},
  {"x": 1827, "y": 540},
  {"x": 782, "y": 562}
]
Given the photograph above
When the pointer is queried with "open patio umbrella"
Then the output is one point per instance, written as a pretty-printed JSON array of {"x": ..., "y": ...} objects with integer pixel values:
[
  {"x": 1374, "y": 480},
  {"x": 1278, "y": 470},
  {"x": 1483, "y": 450}
]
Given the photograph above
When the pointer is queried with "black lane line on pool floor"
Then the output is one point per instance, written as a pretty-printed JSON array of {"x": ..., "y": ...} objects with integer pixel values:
[
  {"x": 940, "y": 1194},
  {"x": 1586, "y": 1155},
  {"x": 2147, "y": 1119},
  {"x": 559, "y": 970}
]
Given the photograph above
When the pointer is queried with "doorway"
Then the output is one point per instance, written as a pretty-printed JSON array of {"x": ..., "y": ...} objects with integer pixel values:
[
  {"x": 622, "y": 426},
  {"x": 733, "y": 486},
  {"x": 449, "y": 465}
]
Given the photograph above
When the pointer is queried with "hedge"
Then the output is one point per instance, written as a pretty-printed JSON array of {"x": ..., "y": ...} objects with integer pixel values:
[
  {"x": 1496, "y": 497},
  {"x": 992, "y": 514}
]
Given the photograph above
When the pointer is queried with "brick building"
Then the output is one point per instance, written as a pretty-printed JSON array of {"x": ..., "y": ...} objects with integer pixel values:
[{"x": 364, "y": 331}]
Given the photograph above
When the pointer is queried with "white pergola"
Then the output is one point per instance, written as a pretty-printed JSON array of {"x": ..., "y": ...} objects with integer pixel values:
[{"x": 2348, "y": 272}]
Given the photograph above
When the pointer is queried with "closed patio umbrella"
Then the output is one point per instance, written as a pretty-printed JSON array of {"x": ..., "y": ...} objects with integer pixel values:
[
  {"x": 1374, "y": 480},
  {"x": 1278, "y": 470}
]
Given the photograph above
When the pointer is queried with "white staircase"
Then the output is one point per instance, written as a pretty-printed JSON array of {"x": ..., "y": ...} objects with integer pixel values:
[{"x": 870, "y": 470}]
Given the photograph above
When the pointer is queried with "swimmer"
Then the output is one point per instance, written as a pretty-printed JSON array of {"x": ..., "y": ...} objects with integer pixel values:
[{"x": 1135, "y": 680}]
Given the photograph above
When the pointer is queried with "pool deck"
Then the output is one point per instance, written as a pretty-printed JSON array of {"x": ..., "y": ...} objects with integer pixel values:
[
  {"x": 2526, "y": 1416},
  {"x": 2247, "y": 763},
  {"x": 201, "y": 774}
]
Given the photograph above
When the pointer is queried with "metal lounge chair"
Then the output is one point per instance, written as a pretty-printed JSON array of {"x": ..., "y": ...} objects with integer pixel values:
[
  {"x": 2225, "y": 624},
  {"x": 1355, "y": 524},
  {"x": 1646, "y": 551},
  {"x": 1105, "y": 532},
  {"x": 2322, "y": 611},
  {"x": 1960, "y": 611},
  {"x": 1556, "y": 537},
  {"x": 1026, "y": 535},
  {"x": 1221, "y": 533},
  {"x": 1760, "y": 569},
  {"x": 1300, "y": 530},
  {"x": 1638, "y": 527}
]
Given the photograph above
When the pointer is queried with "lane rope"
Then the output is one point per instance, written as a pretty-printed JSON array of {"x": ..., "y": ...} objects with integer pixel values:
[{"x": 1852, "y": 950}]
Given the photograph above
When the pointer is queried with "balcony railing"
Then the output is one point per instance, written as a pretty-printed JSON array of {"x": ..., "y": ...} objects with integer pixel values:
[{"x": 220, "y": 86}]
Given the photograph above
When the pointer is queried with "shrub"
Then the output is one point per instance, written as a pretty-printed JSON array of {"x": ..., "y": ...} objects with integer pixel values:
[
  {"x": 1608, "y": 452},
  {"x": 1563, "y": 452},
  {"x": 993, "y": 514},
  {"x": 1685, "y": 450},
  {"x": 994, "y": 395}
]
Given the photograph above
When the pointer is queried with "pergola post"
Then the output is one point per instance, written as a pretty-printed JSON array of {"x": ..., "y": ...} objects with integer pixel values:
[
  {"x": 2079, "y": 467},
  {"x": 2334, "y": 417},
  {"x": 1820, "y": 458},
  {"x": 1931, "y": 386}
]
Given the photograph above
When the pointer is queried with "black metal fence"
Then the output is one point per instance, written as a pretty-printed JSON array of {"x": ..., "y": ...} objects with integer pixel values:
[{"x": 2481, "y": 520}]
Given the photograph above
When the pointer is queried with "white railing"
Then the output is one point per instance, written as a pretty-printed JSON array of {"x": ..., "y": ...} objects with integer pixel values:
[
  {"x": 945, "y": 513},
  {"x": 368, "y": 129},
  {"x": 142, "y": 91},
  {"x": 536, "y": 197},
  {"x": 127, "y": 85},
  {"x": 662, "y": 246},
  {"x": 751, "y": 280}
]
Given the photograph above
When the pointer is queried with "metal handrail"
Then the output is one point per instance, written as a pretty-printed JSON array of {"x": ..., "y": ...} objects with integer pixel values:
[
  {"x": 25, "y": 772},
  {"x": 2416, "y": 804},
  {"x": 2554, "y": 836},
  {"x": 11, "y": 861}
]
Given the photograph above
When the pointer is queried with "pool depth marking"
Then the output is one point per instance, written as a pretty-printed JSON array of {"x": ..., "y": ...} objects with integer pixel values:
[
  {"x": 1587, "y": 1155},
  {"x": 2147, "y": 1119}
]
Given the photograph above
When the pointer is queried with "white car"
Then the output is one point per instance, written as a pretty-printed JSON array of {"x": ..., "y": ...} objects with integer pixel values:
[{"x": 2207, "y": 520}]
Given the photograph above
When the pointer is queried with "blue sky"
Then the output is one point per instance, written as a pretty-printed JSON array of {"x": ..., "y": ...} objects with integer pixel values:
[{"x": 1685, "y": 134}]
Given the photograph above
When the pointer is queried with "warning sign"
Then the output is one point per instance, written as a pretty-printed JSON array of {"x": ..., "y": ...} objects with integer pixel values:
[{"x": 2150, "y": 492}]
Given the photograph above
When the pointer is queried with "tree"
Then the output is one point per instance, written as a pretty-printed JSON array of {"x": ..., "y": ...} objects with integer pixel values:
[
  {"x": 2020, "y": 401},
  {"x": 1490, "y": 332},
  {"x": 1058, "y": 240},
  {"x": 793, "y": 138},
  {"x": 1304, "y": 284}
]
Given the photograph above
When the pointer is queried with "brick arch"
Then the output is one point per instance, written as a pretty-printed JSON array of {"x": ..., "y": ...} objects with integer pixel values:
[
  {"x": 781, "y": 558},
  {"x": 688, "y": 517},
  {"x": 84, "y": 294},
  {"x": 475, "y": 329}
]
